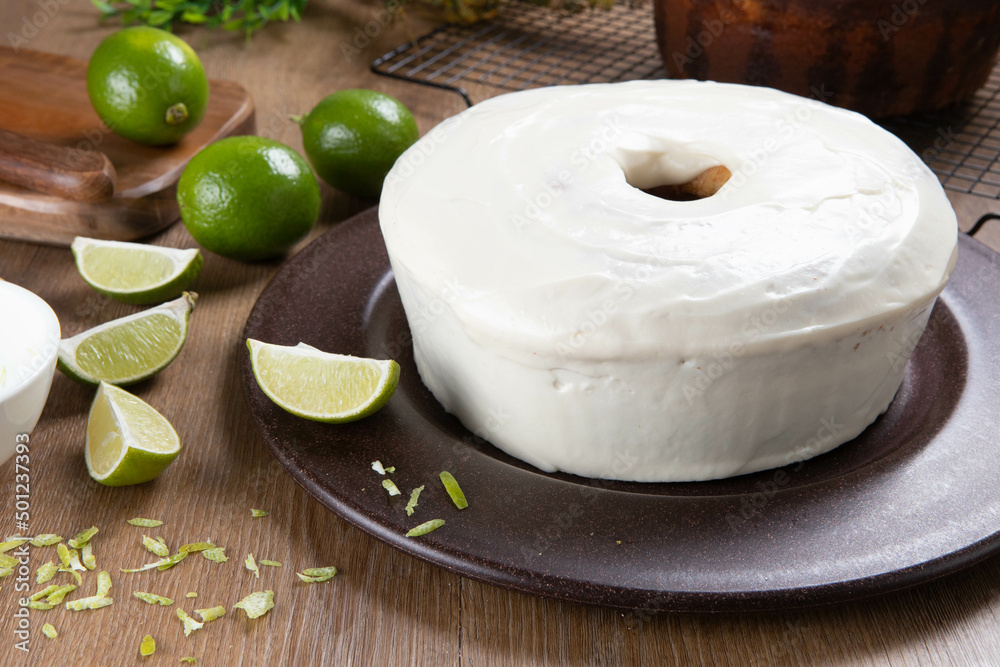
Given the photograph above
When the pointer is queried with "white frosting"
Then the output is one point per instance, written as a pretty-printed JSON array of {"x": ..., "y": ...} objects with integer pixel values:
[{"x": 583, "y": 325}]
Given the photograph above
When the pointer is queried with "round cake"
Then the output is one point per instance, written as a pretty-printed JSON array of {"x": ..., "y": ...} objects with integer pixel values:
[
  {"x": 566, "y": 311},
  {"x": 879, "y": 57}
]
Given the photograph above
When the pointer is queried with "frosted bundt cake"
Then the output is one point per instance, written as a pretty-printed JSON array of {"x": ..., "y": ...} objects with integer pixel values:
[{"x": 579, "y": 322}]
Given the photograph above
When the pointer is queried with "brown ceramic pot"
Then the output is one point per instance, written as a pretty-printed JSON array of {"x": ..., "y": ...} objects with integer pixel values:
[{"x": 879, "y": 57}]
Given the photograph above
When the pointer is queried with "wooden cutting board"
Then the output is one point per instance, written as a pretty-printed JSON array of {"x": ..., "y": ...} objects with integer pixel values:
[{"x": 44, "y": 96}]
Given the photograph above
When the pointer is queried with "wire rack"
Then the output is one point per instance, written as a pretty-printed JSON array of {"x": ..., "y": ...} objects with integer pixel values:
[{"x": 530, "y": 47}]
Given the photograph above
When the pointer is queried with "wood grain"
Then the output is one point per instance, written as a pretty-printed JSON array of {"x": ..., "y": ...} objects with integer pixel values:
[
  {"x": 61, "y": 171},
  {"x": 384, "y": 608},
  {"x": 45, "y": 98}
]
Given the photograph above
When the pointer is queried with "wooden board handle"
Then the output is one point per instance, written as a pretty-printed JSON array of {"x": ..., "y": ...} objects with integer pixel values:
[{"x": 55, "y": 170}]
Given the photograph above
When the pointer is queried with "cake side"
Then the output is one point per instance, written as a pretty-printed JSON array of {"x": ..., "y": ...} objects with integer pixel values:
[{"x": 542, "y": 284}]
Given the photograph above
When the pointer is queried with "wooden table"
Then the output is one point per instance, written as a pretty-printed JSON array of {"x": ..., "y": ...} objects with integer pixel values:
[{"x": 384, "y": 607}]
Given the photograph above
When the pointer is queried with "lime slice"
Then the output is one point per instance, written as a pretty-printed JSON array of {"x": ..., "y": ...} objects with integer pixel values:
[
  {"x": 128, "y": 442},
  {"x": 321, "y": 386},
  {"x": 128, "y": 349},
  {"x": 134, "y": 272}
]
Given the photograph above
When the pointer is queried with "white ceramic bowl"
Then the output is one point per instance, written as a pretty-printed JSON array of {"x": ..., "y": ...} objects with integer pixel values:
[{"x": 29, "y": 342}]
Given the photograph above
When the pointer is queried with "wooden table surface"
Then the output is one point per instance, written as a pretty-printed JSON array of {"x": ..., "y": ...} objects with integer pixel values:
[{"x": 384, "y": 607}]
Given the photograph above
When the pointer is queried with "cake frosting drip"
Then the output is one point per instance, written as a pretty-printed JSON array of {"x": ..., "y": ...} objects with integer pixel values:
[{"x": 523, "y": 243}]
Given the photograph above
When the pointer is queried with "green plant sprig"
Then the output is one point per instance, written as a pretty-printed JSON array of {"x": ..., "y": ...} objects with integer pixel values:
[{"x": 248, "y": 16}]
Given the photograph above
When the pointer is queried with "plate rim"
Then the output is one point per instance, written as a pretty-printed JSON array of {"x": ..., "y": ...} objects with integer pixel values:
[{"x": 619, "y": 597}]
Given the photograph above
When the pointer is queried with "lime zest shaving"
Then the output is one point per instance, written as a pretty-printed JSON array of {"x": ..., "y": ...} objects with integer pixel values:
[
  {"x": 39, "y": 605},
  {"x": 425, "y": 527},
  {"x": 93, "y": 602},
  {"x": 412, "y": 504},
  {"x": 454, "y": 490},
  {"x": 63, "y": 552},
  {"x": 258, "y": 513},
  {"x": 103, "y": 584},
  {"x": 190, "y": 625},
  {"x": 189, "y": 659},
  {"x": 391, "y": 487},
  {"x": 87, "y": 553},
  {"x": 212, "y": 613},
  {"x": 6, "y": 572},
  {"x": 49, "y": 631},
  {"x": 44, "y": 593},
  {"x": 155, "y": 547},
  {"x": 83, "y": 538},
  {"x": 44, "y": 540},
  {"x": 13, "y": 542},
  {"x": 271, "y": 563},
  {"x": 390, "y": 470},
  {"x": 256, "y": 604},
  {"x": 377, "y": 467},
  {"x": 197, "y": 546},
  {"x": 192, "y": 594},
  {"x": 76, "y": 575},
  {"x": 172, "y": 560},
  {"x": 153, "y": 598},
  {"x": 145, "y": 523},
  {"x": 147, "y": 646},
  {"x": 252, "y": 565},
  {"x": 8, "y": 561},
  {"x": 216, "y": 555},
  {"x": 74, "y": 561},
  {"x": 56, "y": 596},
  {"x": 317, "y": 575},
  {"x": 162, "y": 564}
]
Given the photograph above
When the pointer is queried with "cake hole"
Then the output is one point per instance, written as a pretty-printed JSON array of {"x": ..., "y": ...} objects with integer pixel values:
[{"x": 705, "y": 184}]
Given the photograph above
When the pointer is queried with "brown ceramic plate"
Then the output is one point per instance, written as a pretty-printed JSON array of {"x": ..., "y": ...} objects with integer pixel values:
[{"x": 914, "y": 497}]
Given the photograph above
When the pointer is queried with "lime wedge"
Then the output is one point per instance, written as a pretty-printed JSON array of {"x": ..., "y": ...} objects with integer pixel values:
[
  {"x": 321, "y": 386},
  {"x": 134, "y": 272},
  {"x": 128, "y": 349},
  {"x": 128, "y": 442}
]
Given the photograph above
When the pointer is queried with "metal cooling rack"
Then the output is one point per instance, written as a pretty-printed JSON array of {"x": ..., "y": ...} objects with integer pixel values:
[{"x": 530, "y": 47}]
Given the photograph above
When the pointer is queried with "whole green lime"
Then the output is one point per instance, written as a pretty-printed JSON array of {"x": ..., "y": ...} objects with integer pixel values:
[
  {"x": 353, "y": 138},
  {"x": 147, "y": 85},
  {"x": 248, "y": 197}
]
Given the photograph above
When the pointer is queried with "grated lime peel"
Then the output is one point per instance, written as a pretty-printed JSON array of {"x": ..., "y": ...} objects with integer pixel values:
[
  {"x": 258, "y": 513},
  {"x": 412, "y": 504},
  {"x": 87, "y": 554},
  {"x": 197, "y": 546},
  {"x": 426, "y": 527},
  {"x": 391, "y": 487},
  {"x": 317, "y": 575},
  {"x": 49, "y": 631},
  {"x": 8, "y": 561},
  {"x": 192, "y": 594},
  {"x": 270, "y": 563},
  {"x": 190, "y": 625},
  {"x": 252, "y": 565},
  {"x": 147, "y": 646},
  {"x": 39, "y": 605},
  {"x": 44, "y": 593},
  {"x": 46, "y": 540},
  {"x": 216, "y": 555},
  {"x": 56, "y": 596},
  {"x": 83, "y": 538},
  {"x": 454, "y": 490},
  {"x": 155, "y": 547},
  {"x": 145, "y": 523},
  {"x": 103, "y": 584},
  {"x": 93, "y": 602},
  {"x": 153, "y": 598},
  {"x": 256, "y": 604},
  {"x": 210, "y": 614}
]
